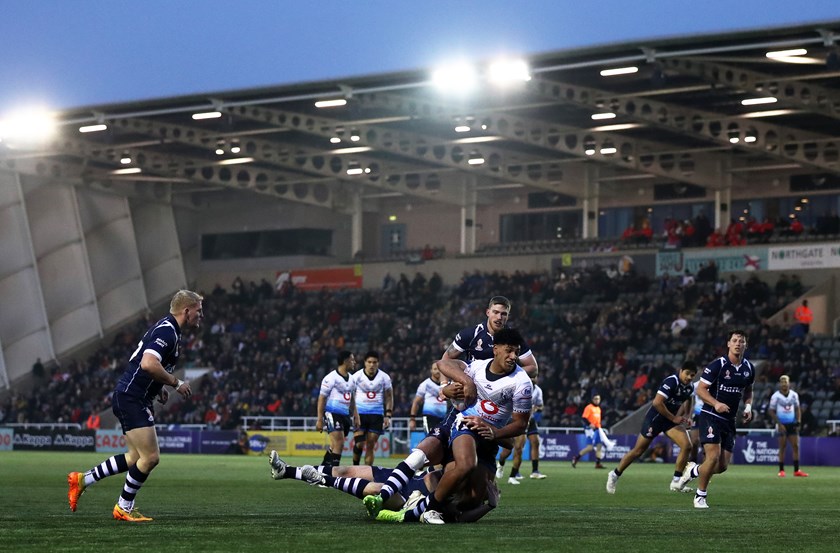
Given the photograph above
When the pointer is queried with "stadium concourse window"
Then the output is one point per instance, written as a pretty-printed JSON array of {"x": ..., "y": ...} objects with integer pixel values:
[
  {"x": 266, "y": 243},
  {"x": 547, "y": 225}
]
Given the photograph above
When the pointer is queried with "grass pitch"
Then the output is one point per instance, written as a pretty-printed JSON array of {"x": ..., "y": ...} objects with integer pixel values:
[{"x": 229, "y": 503}]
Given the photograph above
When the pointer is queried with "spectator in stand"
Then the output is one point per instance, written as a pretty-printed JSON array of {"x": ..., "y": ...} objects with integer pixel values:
[
  {"x": 796, "y": 228},
  {"x": 735, "y": 233},
  {"x": 629, "y": 234},
  {"x": 804, "y": 316},
  {"x": 715, "y": 239}
]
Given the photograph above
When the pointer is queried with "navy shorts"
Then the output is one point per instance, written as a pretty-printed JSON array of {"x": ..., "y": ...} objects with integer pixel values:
[
  {"x": 429, "y": 422},
  {"x": 338, "y": 423},
  {"x": 416, "y": 482},
  {"x": 655, "y": 424},
  {"x": 132, "y": 412},
  {"x": 371, "y": 423},
  {"x": 792, "y": 428},
  {"x": 715, "y": 430},
  {"x": 532, "y": 427},
  {"x": 486, "y": 450}
]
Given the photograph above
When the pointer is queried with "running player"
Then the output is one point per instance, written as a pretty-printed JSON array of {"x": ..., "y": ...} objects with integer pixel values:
[
  {"x": 668, "y": 415},
  {"x": 724, "y": 382}
]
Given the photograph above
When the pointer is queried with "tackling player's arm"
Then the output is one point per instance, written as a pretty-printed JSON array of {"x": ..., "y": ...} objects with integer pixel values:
[
  {"x": 451, "y": 352},
  {"x": 454, "y": 370},
  {"x": 529, "y": 365},
  {"x": 151, "y": 365}
]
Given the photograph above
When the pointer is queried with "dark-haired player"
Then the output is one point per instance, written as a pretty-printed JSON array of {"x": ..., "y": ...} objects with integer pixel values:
[
  {"x": 337, "y": 406},
  {"x": 722, "y": 385},
  {"x": 668, "y": 414},
  {"x": 375, "y": 404}
]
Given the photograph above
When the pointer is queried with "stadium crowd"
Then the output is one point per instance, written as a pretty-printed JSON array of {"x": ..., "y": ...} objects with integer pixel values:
[{"x": 592, "y": 330}]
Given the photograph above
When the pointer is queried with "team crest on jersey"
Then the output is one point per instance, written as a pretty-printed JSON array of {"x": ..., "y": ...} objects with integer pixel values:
[
  {"x": 479, "y": 345},
  {"x": 726, "y": 375},
  {"x": 507, "y": 395},
  {"x": 710, "y": 433}
]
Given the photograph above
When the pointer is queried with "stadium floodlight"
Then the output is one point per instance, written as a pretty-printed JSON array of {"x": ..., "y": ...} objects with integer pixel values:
[
  {"x": 236, "y": 161},
  {"x": 352, "y": 150},
  {"x": 93, "y": 128},
  {"x": 476, "y": 159},
  {"x": 505, "y": 72},
  {"x": 601, "y": 116},
  {"x": 609, "y": 150},
  {"x": 458, "y": 77},
  {"x": 127, "y": 171},
  {"x": 206, "y": 115},
  {"x": 769, "y": 113},
  {"x": 759, "y": 101},
  {"x": 462, "y": 128},
  {"x": 334, "y": 103},
  {"x": 28, "y": 126},
  {"x": 619, "y": 71},
  {"x": 619, "y": 127},
  {"x": 779, "y": 54}
]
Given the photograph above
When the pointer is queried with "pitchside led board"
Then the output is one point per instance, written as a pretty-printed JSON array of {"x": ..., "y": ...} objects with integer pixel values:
[{"x": 297, "y": 442}]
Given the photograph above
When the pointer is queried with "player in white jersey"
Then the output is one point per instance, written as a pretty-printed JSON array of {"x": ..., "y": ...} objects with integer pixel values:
[
  {"x": 787, "y": 415},
  {"x": 497, "y": 394},
  {"x": 337, "y": 406},
  {"x": 375, "y": 403},
  {"x": 428, "y": 396}
]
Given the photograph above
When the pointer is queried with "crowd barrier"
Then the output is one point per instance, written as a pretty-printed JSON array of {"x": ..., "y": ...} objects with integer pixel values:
[{"x": 750, "y": 449}]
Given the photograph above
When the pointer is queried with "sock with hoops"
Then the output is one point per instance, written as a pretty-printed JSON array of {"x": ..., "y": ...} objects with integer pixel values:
[
  {"x": 415, "y": 514},
  {"x": 108, "y": 467},
  {"x": 133, "y": 481},
  {"x": 352, "y": 486},
  {"x": 402, "y": 474}
]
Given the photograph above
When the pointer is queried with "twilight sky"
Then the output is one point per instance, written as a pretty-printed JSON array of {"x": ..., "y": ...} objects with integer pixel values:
[{"x": 72, "y": 53}]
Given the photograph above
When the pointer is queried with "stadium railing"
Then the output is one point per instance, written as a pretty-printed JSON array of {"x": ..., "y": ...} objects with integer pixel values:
[{"x": 48, "y": 425}]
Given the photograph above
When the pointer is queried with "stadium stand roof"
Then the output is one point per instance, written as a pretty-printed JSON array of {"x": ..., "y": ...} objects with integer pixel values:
[{"x": 678, "y": 120}]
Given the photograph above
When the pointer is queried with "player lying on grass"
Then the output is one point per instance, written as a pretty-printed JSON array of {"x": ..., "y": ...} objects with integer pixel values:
[
  {"x": 497, "y": 398},
  {"x": 466, "y": 505}
]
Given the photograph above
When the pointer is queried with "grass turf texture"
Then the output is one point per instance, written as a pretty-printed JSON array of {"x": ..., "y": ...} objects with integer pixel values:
[{"x": 229, "y": 503}]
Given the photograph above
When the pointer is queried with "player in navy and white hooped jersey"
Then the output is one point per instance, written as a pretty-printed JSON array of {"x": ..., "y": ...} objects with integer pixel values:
[
  {"x": 476, "y": 342},
  {"x": 670, "y": 413},
  {"x": 787, "y": 414},
  {"x": 724, "y": 382},
  {"x": 428, "y": 396},
  {"x": 337, "y": 406},
  {"x": 375, "y": 404},
  {"x": 150, "y": 367},
  {"x": 497, "y": 394}
]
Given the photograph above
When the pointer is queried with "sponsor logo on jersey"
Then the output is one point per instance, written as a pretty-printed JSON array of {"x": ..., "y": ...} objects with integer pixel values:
[{"x": 161, "y": 342}]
